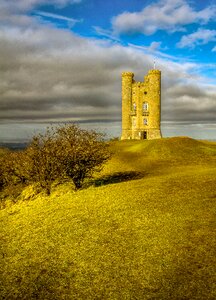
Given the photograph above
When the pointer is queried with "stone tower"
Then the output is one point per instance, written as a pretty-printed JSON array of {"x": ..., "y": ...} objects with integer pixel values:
[{"x": 141, "y": 106}]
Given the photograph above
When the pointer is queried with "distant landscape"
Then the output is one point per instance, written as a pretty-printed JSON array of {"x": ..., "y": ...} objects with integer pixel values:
[
  {"x": 143, "y": 228},
  {"x": 17, "y": 145},
  {"x": 14, "y": 145}
]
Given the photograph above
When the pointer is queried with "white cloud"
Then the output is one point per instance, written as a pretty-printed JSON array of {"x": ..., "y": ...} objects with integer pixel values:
[
  {"x": 155, "y": 49},
  {"x": 71, "y": 22},
  {"x": 200, "y": 37},
  {"x": 154, "y": 46},
  {"x": 105, "y": 33},
  {"x": 14, "y": 12},
  {"x": 214, "y": 49},
  {"x": 24, "y": 5},
  {"x": 170, "y": 15}
]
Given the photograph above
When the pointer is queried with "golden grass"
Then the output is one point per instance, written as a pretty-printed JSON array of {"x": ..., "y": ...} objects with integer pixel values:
[{"x": 146, "y": 238}]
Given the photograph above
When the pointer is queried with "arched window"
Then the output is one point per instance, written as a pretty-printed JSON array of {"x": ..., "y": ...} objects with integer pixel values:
[
  {"x": 145, "y": 122},
  {"x": 134, "y": 106},
  {"x": 145, "y": 106}
]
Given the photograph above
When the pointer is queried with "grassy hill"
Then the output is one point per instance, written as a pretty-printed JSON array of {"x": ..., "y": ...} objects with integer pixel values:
[{"x": 144, "y": 229}]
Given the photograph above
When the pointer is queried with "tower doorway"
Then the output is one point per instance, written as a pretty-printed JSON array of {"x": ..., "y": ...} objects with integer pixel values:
[{"x": 144, "y": 135}]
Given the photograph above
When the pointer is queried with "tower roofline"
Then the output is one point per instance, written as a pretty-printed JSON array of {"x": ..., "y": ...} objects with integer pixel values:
[
  {"x": 131, "y": 74},
  {"x": 153, "y": 71}
]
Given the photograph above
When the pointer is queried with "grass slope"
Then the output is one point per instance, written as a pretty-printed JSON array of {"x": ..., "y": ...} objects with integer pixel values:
[{"x": 151, "y": 235}]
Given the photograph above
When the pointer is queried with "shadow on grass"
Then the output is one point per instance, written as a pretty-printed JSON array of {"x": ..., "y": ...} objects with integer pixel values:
[{"x": 118, "y": 177}]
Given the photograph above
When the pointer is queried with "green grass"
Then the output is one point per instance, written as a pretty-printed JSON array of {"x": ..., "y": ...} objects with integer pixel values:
[{"x": 148, "y": 232}]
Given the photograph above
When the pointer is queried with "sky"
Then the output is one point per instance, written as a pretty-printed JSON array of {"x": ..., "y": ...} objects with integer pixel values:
[{"x": 61, "y": 61}]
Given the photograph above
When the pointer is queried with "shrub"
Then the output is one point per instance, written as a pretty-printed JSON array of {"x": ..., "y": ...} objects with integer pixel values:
[
  {"x": 44, "y": 167},
  {"x": 13, "y": 175},
  {"x": 1, "y": 174},
  {"x": 67, "y": 152},
  {"x": 82, "y": 152},
  {"x": 13, "y": 169}
]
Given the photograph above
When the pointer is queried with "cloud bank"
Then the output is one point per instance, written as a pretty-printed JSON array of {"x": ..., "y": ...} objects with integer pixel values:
[
  {"x": 169, "y": 15},
  {"x": 200, "y": 37}
]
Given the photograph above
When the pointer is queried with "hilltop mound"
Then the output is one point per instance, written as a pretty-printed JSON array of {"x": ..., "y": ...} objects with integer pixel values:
[
  {"x": 171, "y": 148},
  {"x": 157, "y": 155}
]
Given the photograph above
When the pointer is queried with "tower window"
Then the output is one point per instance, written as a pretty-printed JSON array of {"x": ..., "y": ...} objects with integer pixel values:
[
  {"x": 145, "y": 93},
  {"x": 134, "y": 122},
  {"x": 134, "y": 106},
  {"x": 145, "y": 106},
  {"x": 145, "y": 121}
]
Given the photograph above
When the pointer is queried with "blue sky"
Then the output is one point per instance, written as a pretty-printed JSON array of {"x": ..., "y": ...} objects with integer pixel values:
[{"x": 62, "y": 60}]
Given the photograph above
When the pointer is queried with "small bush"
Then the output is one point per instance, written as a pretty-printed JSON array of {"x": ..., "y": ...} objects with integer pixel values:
[
  {"x": 13, "y": 175},
  {"x": 82, "y": 152},
  {"x": 44, "y": 166},
  {"x": 14, "y": 169}
]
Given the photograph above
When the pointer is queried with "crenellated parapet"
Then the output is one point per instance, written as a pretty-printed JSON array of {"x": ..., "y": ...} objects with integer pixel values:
[
  {"x": 154, "y": 72},
  {"x": 127, "y": 74}
]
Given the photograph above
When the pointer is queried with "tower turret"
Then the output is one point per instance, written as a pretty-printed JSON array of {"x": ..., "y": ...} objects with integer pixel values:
[
  {"x": 154, "y": 96},
  {"x": 127, "y": 80}
]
